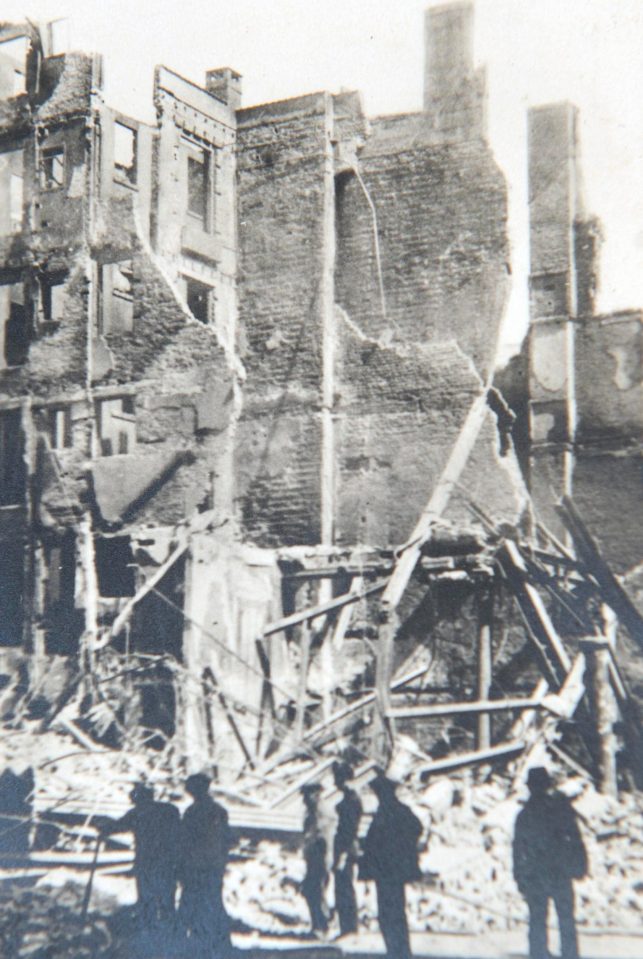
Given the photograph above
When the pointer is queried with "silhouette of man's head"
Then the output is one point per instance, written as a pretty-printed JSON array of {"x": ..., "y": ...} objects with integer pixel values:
[
  {"x": 198, "y": 785},
  {"x": 342, "y": 773},
  {"x": 310, "y": 793},
  {"x": 383, "y": 787},
  {"x": 141, "y": 794},
  {"x": 538, "y": 781}
]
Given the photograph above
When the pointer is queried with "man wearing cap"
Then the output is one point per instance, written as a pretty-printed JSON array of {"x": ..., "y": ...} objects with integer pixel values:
[
  {"x": 156, "y": 840},
  {"x": 390, "y": 858},
  {"x": 205, "y": 841},
  {"x": 548, "y": 854},
  {"x": 317, "y": 852},
  {"x": 349, "y": 813}
]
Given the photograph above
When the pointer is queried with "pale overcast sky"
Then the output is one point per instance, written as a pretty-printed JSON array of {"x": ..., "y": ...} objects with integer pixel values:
[{"x": 536, "y": 51}]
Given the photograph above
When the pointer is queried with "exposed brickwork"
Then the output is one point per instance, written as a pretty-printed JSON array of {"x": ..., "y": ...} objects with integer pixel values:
[{"x": 441, "y": 217}]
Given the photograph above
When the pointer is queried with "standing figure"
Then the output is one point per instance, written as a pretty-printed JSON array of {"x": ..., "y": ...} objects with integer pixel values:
[
  {"x": 349, "y": 813},
  {"x": 390, "y": 858},
  {"x": 317, "y": 853},
  {"x": 156, "y": 840},
  {"x": 205, "y": 841},
  {"x": 548, "y": 854}
]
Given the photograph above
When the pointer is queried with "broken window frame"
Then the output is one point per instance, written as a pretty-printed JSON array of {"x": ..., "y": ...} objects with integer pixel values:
[
  {"x": 125, "y": 439},
  {"x": 49, "y": 179},
  {"x": 125, "y": 172},
  {"x": 49, "y": 316},
  {"x": 117, "y": 318},
  {"x": 199, "y": 155},
  {"x": 12, "y": 467},
  {"x": 60, "y": 427},
  {"x": 206, "y": 289},
  {"x": 17, "y": 332}
]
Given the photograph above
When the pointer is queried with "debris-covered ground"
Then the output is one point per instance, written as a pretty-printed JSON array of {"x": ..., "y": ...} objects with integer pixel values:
[{"x": 466, "y": 858}]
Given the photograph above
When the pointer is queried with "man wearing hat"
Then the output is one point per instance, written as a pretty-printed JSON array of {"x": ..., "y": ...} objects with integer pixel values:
[
  {"x": 317, "y": 852},
  {"x": 349, "y": 813},
  {"x": 390, "y": 858},
  {"x": 156, "y": 841},
  {"x": 548, "y": 854},
  {"x": 205, "y": 841}
]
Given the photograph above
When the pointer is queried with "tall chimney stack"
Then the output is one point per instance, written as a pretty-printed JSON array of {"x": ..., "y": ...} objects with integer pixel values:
[{"x": 454, "y": 91}]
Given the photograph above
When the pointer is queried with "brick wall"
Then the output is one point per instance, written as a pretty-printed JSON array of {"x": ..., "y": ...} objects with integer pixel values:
[
  {"x": 281, "y": 189},
  {"x": 441, "y": 216}
]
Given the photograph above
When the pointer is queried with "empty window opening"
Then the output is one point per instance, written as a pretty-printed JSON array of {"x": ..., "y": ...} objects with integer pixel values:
[
  {"x": 116, "y": 426},
  {"x": 11, "y": 590},
  {"x": 12, "y": 467},
  {"x": 11, "y": 191},
  {"x": 117, "y": 300},
  {"x": 62, "y": 621},
  {"x": 125, "y": 151},
  {"x": 52, "y": 296},
  {"x": 60, "y": 433},
  {"x": 13, "y": 65},
  {"x": 16, "y": 325},
  {"x": 199, "y": 298},
  {"x": 198, "y": 183},
  {"x": 115, "y": 566},
  {"x": 52, "y": 168}
]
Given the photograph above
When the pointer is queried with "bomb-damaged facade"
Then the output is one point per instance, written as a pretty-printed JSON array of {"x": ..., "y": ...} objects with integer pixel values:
[{"x": 238, "y": 348}]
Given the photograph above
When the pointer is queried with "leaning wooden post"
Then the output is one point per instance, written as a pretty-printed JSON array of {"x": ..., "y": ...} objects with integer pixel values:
[
  {"x": 604, "y": 712},
  {"x": 484, "y": 662},
  {"x": 382, "y": 725}
]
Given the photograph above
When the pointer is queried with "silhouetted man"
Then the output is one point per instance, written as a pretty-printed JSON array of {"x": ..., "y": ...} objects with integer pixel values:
[
  {"x": 548, "y": 854},
  {"x": 317, "y": 853},
  {"x": 390, "y": 858},
  {"x": 205, "y": 841},
  {"x": 349, "y": 813},
  {"x": 156, "y": 841}
]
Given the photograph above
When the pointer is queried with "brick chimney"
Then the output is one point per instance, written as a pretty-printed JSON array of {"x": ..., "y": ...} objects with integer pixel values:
[
  {"x": 454, "y": 91},
  {"x": 224, "y": 84}
]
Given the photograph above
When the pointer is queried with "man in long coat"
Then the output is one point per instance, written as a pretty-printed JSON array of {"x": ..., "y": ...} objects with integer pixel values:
[
  {"x": 205, "y": 841},
  {"x": 317, "y": 856},
  {"x": 349, "y": 813},
  {"x": 548, "y": 854},
  {"x": 390, "y": 858}
]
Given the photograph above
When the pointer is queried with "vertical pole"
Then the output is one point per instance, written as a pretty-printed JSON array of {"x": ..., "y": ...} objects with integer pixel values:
[
  {"x": 484, "y": 661},
  {"x": 383, "y": 729},
  {"x": 604, "y": 713},
  {"x": 304, "y": 661}
]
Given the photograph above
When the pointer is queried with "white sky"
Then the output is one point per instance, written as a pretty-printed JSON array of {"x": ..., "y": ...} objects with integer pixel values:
[{"x": 536, "y": 51}]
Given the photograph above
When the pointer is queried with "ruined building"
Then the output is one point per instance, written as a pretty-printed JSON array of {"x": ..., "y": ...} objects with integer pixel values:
[{"x": 238, "y": 349}]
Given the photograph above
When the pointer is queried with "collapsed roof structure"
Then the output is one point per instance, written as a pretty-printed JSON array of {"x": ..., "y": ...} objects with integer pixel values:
[{"x": 273, "y": 503}]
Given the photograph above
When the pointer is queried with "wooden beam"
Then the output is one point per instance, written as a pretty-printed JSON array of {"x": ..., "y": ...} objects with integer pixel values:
[
  {"x": 302, "y": 686},
  {"x": 475, "y": 756},
  {"x": 484, "y": 664},
  {"x": 438, "y": 501},
  {"x": 454, "y": 709},
  {"x": 322, "y": 609},
  {"x": 553, "y": 654},
  {"x": 149, "y": 585},
  {"x": 614, "y": 594},
  {"x": 604, "y": 713}
]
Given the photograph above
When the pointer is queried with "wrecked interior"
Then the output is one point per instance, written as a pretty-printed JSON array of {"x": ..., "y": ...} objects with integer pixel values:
[{"x": 262, "y": 502}]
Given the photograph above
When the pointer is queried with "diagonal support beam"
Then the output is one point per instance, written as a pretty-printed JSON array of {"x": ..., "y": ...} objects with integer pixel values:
[{"x": 555, "y": 659}]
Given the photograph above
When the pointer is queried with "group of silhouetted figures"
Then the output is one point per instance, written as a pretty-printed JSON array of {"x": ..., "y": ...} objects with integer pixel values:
[{"x": 191, "y": 853}]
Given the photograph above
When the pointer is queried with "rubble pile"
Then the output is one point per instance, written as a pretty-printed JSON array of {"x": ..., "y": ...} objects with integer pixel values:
[{"x": 46, "y": 923}]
